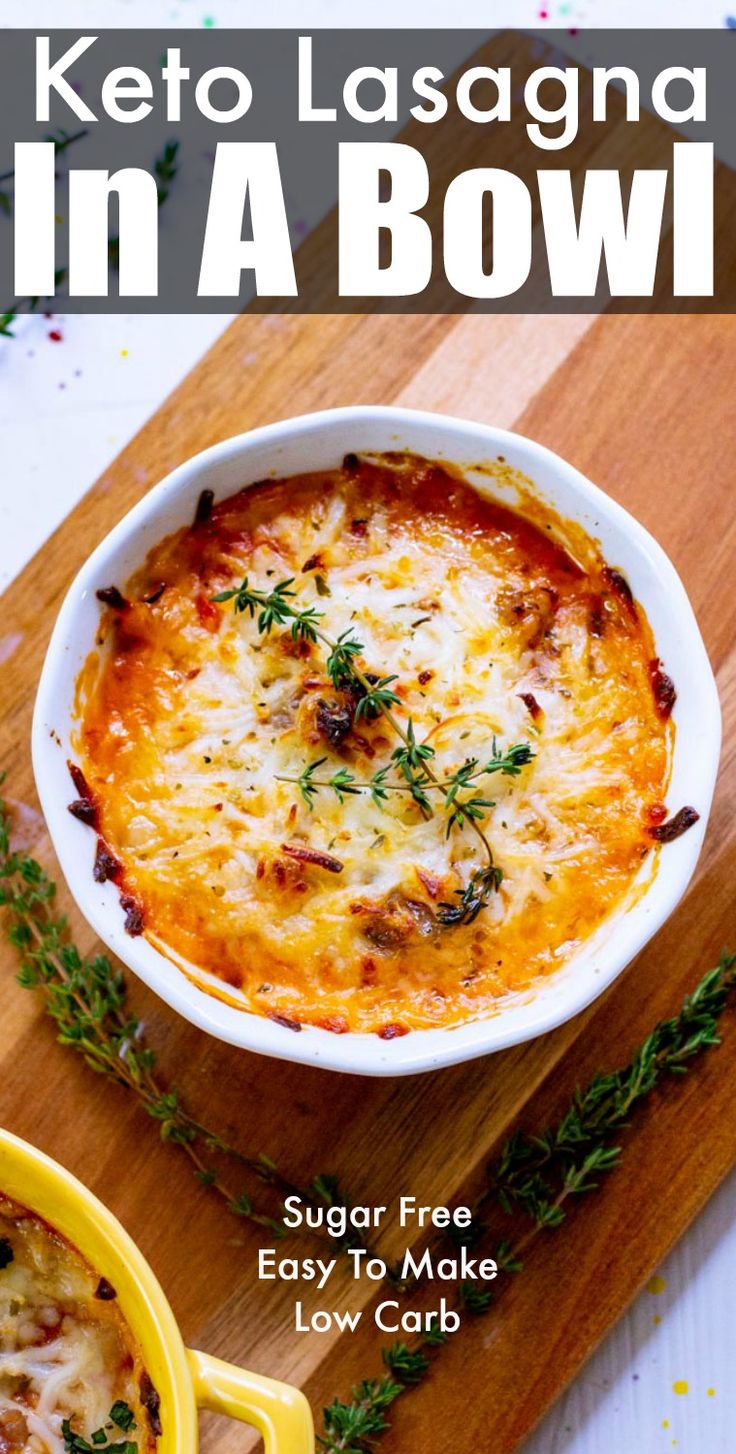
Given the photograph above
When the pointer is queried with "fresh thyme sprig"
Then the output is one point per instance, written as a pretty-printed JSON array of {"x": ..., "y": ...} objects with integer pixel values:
[
  {"x": 375, "y": 696},
  {"x": 344, "y": 784},
  {"x": 604, "y": 1107},
  {"x": 273, "y": 609},
  {"x": 534, "y": 1175},
  {"x": 355, "y": 1427},
  {"x": 538, "y": 1175},
  {"x": 165, "y": 168},
  {"x": 474, "y": 897},
  {"x": 87, "y": 1000},
  {"x": 26, "y": 305},
  {"x": 62, "y": 140}
]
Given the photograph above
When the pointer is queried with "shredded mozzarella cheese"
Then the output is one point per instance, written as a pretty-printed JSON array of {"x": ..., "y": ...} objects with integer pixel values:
[{"x": 495, "y": 634}]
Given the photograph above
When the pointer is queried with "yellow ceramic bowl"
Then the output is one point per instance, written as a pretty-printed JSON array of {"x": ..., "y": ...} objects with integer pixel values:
[{"x": 186, "y": 1380}]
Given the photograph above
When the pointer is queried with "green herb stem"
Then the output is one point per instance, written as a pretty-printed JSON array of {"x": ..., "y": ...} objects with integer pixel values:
[
  {"x": 344, "y": 784},
  {"x": 412, "y": 760},
  {"x": 165, "y": 168},
  {"x": 87, "y": 1000},
  {"x": 538, "y": 1175},
  {"x": 534, "y": 1175},
  {"x": 61, "y": 139}
]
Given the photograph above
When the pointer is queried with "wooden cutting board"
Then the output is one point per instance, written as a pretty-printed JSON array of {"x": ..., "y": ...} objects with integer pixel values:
[{"x": 644, "y": 406}]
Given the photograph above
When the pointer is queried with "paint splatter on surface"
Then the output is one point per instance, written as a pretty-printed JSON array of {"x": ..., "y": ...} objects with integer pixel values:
[
  {"x": 561, "y": 15},
  {"x": 107, "y": 382},
  {"x": 656, "y": 1285},
  {"x": 681, "y": 1386}
]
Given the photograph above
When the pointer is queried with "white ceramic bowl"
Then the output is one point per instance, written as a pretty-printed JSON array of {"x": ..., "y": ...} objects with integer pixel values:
[{"x": 319, "y": 441}]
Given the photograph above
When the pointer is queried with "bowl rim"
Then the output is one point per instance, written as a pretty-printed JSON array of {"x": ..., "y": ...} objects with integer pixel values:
[{"x": 421, "y": 1050}]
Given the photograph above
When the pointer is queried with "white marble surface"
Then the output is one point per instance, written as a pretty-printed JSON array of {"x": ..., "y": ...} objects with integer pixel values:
[{"x": 66, "y": 408}]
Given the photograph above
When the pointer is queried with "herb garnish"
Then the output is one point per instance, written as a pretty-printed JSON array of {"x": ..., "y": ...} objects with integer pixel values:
[
  {"x": 343, "y": 783},
  {"x": 121, "y": 1416},
  {"x": 165, "y": 167},
  {"x": 472, "y": 898},
  {"x": 536, "y": 1175},
  {"x": 61, "y": 139},
  {"x": 412, "y": 760}
]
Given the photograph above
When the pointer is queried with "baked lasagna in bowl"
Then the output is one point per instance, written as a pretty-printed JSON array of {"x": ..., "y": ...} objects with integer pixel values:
[{"x": 371, "y": 738}]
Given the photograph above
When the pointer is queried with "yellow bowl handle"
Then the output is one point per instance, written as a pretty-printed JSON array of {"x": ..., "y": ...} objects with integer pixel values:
[{"x": 279, "y": 1412}]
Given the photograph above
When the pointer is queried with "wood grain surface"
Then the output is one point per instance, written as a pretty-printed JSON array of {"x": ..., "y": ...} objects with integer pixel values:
[{"x": 644, "y": 406}]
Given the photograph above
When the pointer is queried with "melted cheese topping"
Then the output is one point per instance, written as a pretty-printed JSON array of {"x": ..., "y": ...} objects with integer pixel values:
[
  {"x": 190, "y": 720},
  {"x": 65, "y": 1354}
]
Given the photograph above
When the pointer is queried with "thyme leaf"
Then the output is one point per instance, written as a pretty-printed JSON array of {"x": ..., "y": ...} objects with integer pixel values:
[
  {"x": 62, "y": 140},
  {"x": 341, "y": 660},
  {"x": 165, "y": 168},
  {"x": 344, "y": 783},
  {"x": 534, "y": 1174},
  {"x": 378, "y": 696},
  {"x": 87, "y": 1000},
  {"x": 474, "y": 897},
  {"x": 538, "y": 1174},
  {"x": 355, "y": 1427},
  {"x": 374, "y": 697}
]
